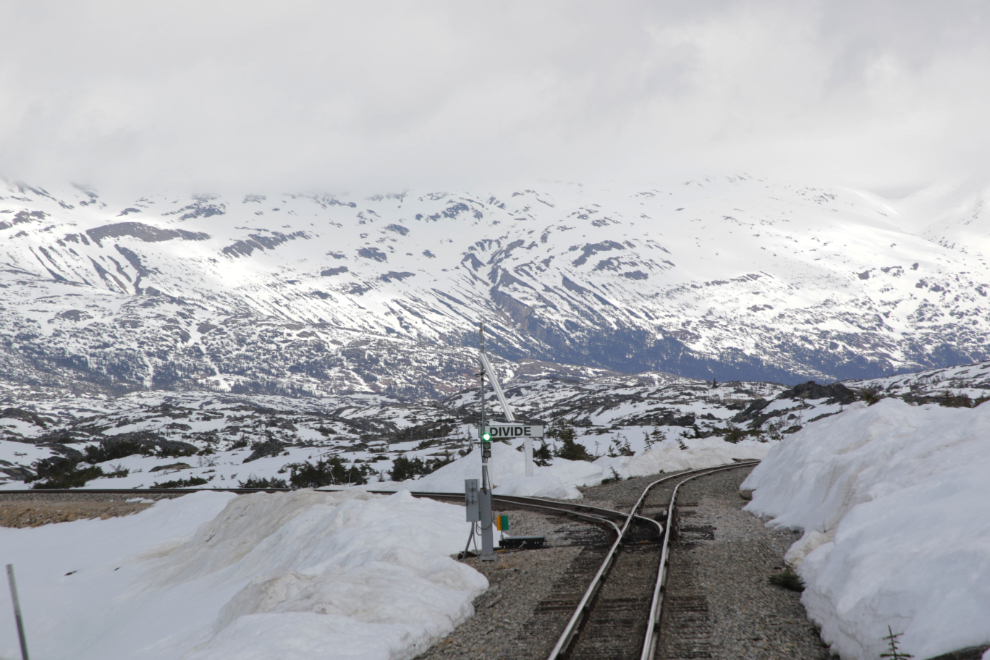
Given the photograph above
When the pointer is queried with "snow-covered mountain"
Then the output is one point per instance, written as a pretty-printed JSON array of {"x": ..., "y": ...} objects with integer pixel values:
[{"x": 731, "y": 278}]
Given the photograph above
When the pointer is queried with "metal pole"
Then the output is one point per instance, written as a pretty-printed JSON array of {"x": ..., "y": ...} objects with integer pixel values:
[
  {"x": 509, "y": 416},
  {"x": 17, "y": 611},
  {"x": 487, "y": 535}
]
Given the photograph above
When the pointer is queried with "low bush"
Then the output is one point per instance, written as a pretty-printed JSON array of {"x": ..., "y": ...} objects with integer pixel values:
[
  {"x": 255, "y": 482},
  {"x": 620, "y": 447},
  {"x": 326, "y": 472},
  {"x": 734, "y": 434},
  {"x": 119, "y": 471},
  {"x": 570, "y": 450},
  {"x": 191, "y": 482},
  {"x": 408, "y": 468},
  {"x": 950, "y": 400},
  {"x": 175, "y": 450},
  {"x": 787, "y": 579},
  {"x": 615, "y": 478},
  {"x": 115, "y": 450},
  {"x": 542, "y": 456},
  {"x": 66, "y": 474},
  {"x": 870, "y": 395}
]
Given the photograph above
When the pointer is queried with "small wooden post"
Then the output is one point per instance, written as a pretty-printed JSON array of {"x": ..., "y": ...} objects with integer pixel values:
[{"x": 17, "y": 611}]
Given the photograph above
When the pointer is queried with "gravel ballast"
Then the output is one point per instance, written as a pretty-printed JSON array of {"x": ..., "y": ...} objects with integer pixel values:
[
  {"x": 33, "y": 510},
  {"x": 719, "y": 570},
  {"x": 719, "y": 576}
]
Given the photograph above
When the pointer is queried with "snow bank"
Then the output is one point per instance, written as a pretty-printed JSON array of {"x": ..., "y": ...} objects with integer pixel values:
[
  {"x": 290, "y": 575},
  {"x": 507, "y": 470},
  {"x": 560, "y": 480},
  {"x": 699, "y": 453},
  {"x": 895, "y": 504}
]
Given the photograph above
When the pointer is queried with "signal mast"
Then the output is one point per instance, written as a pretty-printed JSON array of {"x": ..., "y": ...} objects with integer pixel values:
[{"x": 479, "y": 499}]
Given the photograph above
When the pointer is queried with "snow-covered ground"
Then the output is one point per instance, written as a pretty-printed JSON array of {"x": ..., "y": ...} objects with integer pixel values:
[
  {"x": 214, "y": 576},
  {"x": 894, "y": 501},
  {"x": 559, "y": 480},
  {"x": 611, "y": 415}
]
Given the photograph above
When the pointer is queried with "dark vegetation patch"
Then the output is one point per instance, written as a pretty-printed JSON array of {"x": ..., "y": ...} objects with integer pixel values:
[
  {"x": 171, "y": 466},
  {"x": 835, "y": 393},
  {"x": 27, "y": 416},
  {"x": 407, "y": 468},
  {"x": 269, "y": 447},
  {"x": 787, "y": 579},
  {"x": 948, "y": 400},
  {"x": 192, "y": 482},
  {"x": 326, "y": 472},
  {"x": 76, "y": 468},
  {"x": 63, "y": 473},
  {"x": 569, "y": 449},
  {"x": 255, "y": 482},
  {"x": 440, "y": 428}
]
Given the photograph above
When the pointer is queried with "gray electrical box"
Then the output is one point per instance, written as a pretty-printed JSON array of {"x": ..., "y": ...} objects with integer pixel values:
[{"x": 472, "y": 500}]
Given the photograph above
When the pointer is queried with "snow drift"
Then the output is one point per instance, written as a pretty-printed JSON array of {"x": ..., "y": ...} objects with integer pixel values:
[
  {"x": 560, "y": 479},
  {"x": 289, "y": 575},
  {"x": 895, "y": 504}
]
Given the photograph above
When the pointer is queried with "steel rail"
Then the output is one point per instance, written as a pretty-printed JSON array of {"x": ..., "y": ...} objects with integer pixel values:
[
  {"x": 607, "y": 513},
  {"x": 571, "y": 629},
  {"x": 581, "y": 512},
  {"x": 656, "y": 606},
  {"x": 554, "y": 508}
]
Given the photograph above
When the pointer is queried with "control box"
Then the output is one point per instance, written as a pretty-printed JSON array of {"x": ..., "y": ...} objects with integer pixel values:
[{"x": 472, "y": 500}]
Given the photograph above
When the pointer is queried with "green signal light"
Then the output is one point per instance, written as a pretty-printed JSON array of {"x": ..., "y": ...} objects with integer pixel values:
[{"x": 486, "y": 437}]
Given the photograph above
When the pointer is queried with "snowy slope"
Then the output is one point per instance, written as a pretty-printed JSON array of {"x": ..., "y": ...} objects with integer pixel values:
[
  {"x": 615, "y": 417},
  {"x": 955, "y": 216},
  {"x": 315, "y": 293}
]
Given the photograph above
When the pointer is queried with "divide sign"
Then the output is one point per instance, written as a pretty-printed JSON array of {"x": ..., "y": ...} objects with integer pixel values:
[{"x": 515, "y": 431}]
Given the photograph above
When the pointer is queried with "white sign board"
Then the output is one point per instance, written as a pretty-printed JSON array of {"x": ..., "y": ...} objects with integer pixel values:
[{"x": 507, "y": 431}]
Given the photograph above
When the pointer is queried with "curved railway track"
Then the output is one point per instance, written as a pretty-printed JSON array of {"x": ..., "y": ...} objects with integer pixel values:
[{"x": 617, "y": 616}]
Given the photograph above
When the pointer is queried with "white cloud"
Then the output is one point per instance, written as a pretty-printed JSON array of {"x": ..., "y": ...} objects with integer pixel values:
[{"x": 392, "y": 94}]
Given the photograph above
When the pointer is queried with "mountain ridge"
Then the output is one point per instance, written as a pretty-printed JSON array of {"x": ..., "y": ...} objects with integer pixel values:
[{"x": 734, "y": 278}]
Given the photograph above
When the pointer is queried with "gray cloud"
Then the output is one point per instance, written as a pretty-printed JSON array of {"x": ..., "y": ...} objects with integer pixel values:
[{"x": 392, "y": 94}]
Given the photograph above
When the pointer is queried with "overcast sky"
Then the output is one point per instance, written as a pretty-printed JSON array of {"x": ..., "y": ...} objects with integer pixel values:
[{"x": 333, "y": 95}]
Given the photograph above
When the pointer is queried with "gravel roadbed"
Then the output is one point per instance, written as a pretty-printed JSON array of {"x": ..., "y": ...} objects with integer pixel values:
[
  {"x": 30, "y": 510},
  {"x": 719, "y": 598},
  {"x": 726, "y": 567}
]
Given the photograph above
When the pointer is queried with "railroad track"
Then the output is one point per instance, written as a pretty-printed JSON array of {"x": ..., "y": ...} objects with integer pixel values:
[{"x": 618, "y": 615}]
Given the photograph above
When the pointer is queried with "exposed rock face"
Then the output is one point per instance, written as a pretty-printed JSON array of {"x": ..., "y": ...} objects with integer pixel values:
[
  {"x": 835, "y": 393},
  {"x": 142, "y": 232}
]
